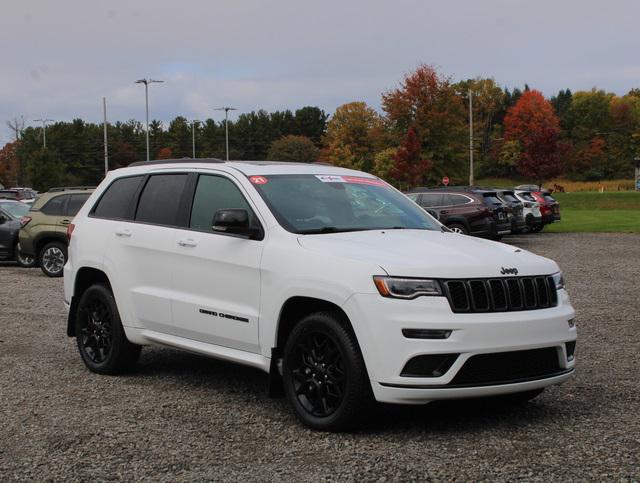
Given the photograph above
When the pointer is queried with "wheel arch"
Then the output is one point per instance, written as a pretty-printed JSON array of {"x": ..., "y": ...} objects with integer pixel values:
[
  {"x": 41, "y": 240},
  {"x": 85, "y": 277},
  {"x": 459, "y": 220}
]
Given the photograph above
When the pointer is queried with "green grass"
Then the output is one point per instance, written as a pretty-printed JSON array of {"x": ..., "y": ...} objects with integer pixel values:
[{"x": 608, "y": 221}]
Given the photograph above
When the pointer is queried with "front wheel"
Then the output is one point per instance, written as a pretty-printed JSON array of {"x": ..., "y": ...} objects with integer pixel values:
[
  {"x": 100, "y": 337},
  {"x": 458, "y": 228},
  {"x": 537, "y": 228},
  {"x": 324, "y": 376},
  {"x": 53, "y": 256}
]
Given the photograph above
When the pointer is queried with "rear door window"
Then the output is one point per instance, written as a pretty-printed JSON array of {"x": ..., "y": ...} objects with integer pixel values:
[
  {"x": 431, "y": 199},
  {"x": 75, "y": 203},
  {"x": 116, "y": 201},
  {"x": 459, "y": 200},
  {"x": 55, "y": 206},
  {"x": 160, "y": 199}
]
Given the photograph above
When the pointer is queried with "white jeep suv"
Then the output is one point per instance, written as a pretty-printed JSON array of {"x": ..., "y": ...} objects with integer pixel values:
[{"x": 331, "y": 281}]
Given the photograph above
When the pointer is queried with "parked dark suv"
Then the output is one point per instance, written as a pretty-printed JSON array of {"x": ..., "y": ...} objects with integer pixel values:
[{"x": 470, "y": 211}]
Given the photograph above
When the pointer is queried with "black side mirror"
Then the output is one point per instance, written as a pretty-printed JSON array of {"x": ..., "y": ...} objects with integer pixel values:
[{"x": 234, "y": 222}]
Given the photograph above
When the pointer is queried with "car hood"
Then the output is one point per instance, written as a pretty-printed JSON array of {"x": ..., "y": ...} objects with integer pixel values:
[{"x": 424, "y": 253}]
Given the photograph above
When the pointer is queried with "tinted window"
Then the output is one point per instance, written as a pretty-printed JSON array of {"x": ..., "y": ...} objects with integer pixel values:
[
  {"x": 491, "y": 198},
  {"x": 9, "y": 195},
  {"x": 549, "y": 198},
  {"x": 75, "y": 203},
  {"x": 160, "y": 199},
  {"x": 54, "y": 206},
  {"x": 114, "y": 203},
  {"x": 431, "y": 199},
  {"x": 458, "y": 199},
  {"x": 510, "y": 197},
  {"x": 527, "y": 196},
  {"x": 214, "y": 193}
]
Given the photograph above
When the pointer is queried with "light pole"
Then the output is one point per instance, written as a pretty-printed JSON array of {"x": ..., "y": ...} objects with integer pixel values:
[
  {"x": 226, "y": 124},
  {"x": 146, "y": 83},
  {"x": 470, "y": 137},
  {"x": 193, "y": 137},
  {"x": 44, "y": 130}
]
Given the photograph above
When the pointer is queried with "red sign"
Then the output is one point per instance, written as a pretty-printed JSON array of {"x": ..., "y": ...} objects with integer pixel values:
[
  {"x": 445, "y": 181},
  {"x": 258, "y": 180}
]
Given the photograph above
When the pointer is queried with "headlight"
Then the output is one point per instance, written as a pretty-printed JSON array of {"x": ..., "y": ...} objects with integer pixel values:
[
  {"x": 406, "y": 288},
  {"x": 558, "y": 278}
]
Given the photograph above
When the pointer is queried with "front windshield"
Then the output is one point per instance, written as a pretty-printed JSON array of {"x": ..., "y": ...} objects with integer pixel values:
[
  {"x": 307, "y": 203},
  {"x": 16, "y": 210}
]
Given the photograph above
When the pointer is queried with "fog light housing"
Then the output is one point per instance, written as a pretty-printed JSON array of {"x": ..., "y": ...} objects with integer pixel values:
[
  {"x": 572, "y": 323},
  {"x": 571, "y": 349}
]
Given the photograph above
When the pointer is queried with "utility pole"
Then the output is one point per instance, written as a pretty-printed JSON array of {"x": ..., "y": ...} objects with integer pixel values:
[
  {"x": 470, "y": 138},
  {"x": 226, "y": 124},
  {"x": 44, "y": 130},
  {"x": 106, "y": 149},
  {"x": 193, "y": 137},
  {"x": 146, "y": 83}
]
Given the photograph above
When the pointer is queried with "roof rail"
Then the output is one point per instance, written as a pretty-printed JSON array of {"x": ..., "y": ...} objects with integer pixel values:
[
  {"x": 70, "y": 188},
  {"x": 176, "y": 161}
]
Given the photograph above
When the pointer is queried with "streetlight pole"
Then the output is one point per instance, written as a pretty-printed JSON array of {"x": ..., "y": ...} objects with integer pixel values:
[
  {"x": 226, "y": 125},
  {"x": 193, "y": 137},
  {"x": 146, "y": 83},
  {"x": 44, "y": 130},
  {"x": 106, "y": 149},
  {"x": 470, "y": 138}
]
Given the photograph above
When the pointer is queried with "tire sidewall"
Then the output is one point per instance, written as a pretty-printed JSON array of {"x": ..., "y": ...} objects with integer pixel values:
[{"x": 460, "y": 227}]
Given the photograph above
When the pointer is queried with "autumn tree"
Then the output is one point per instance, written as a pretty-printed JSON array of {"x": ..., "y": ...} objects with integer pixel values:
[
  {"x": 427, "y": 102},
  {"x": 293, "y": 148},
  {"x": 533, "y": 123},
  {"x": 165, "y": 153},
  {"x": 354, "y": 134},
  {"x": 9, "y": 164},
  {"x": 383, "y": 162},
  {"x": 410, "y": 168}
]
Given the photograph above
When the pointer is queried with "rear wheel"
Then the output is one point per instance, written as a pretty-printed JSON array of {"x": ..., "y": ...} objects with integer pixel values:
[
  {"x": 458, "y": 228},
  {"x": 324, "y": 376},
  {"x": 53, "y": 256},
  {"x": 100, "y": 338},
  {"x": 537, "y": 228}
]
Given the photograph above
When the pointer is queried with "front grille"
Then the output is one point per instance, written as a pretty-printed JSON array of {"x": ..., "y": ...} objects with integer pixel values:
[
  {"x": 508, "y": 367},
  {"x": 501, "y": 294}
]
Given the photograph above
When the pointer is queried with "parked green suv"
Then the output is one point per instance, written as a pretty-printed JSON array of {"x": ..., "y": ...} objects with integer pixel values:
[{"x": 44, "y": 231}]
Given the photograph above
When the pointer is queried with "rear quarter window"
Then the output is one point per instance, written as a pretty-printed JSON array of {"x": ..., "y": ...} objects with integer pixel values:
[
  {"x": 116, "y": 202},
  {"x": 55, "y": 206},
  {"x": 75, "y": 203}
]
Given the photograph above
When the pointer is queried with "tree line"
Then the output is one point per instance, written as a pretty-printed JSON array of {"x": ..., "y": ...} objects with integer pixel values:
[{"x": 421, "y": 135}]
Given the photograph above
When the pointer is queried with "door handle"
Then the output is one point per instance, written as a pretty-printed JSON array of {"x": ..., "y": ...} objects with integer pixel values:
[
  {"x": 65, "y": 222},
  {"x": 123, "y": 232},
  {"x": 187, "y": 242},
  {"x": 444, "y": 212}
]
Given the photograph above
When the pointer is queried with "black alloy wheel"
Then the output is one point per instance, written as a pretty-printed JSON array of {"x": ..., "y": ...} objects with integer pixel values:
[
  {"x": 100, "y": 337},
  {"x": 319, "y": 377}
]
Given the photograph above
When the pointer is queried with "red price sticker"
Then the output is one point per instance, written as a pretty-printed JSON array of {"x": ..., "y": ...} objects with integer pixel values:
[{"x": 258, "y": 180}]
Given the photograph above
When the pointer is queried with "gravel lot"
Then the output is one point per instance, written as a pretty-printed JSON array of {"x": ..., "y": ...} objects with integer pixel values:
[{"x": 183, "y": 417}]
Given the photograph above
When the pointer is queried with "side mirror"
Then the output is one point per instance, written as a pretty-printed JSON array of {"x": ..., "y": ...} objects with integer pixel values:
[{"x": 234, "y": 222}]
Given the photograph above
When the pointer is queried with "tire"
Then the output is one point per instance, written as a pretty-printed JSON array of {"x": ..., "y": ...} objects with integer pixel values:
[
  {"x": 324, "y": 376},
  {"x": 458, "y": 228},
  {"x": 25, "y": 261},
  {"x": 100, "y": 338},
  {"x": 52, "y": 258},
  {"x": 537, "y": 228}
]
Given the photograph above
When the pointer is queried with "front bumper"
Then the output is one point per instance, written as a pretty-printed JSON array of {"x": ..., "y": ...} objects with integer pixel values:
[{"x": 378, "y": 323}]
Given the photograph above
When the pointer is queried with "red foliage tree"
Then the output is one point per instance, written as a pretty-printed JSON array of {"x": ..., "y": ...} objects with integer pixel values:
[
  {"x": 165, "y": 153},
  {"x": 9, "y": 164},
  {"x": 532, "y": 122},
  {"x": 409, "y": 167}
]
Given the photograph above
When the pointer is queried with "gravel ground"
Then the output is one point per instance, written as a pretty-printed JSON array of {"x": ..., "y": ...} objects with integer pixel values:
[{"x": 184, "y": 417}]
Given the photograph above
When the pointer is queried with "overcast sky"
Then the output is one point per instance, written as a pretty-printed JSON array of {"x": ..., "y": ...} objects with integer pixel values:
[{"x": 60, "y": 57}]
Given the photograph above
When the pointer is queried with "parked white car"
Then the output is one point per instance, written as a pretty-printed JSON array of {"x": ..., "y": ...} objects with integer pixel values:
[
  {"x": 328, "y": 279},
  {"x": 532, "y": 214}
]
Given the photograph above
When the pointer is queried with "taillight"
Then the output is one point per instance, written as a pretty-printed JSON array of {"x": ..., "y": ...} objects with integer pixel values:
[
  {"x": 70, "y": 228},
  {"x": 25, "y": 220}
]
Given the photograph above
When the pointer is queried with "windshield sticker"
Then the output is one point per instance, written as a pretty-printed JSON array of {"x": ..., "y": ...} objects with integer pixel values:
[
  {"x": 325, "y": 178},
  {"x": 258, "y": 180}
]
